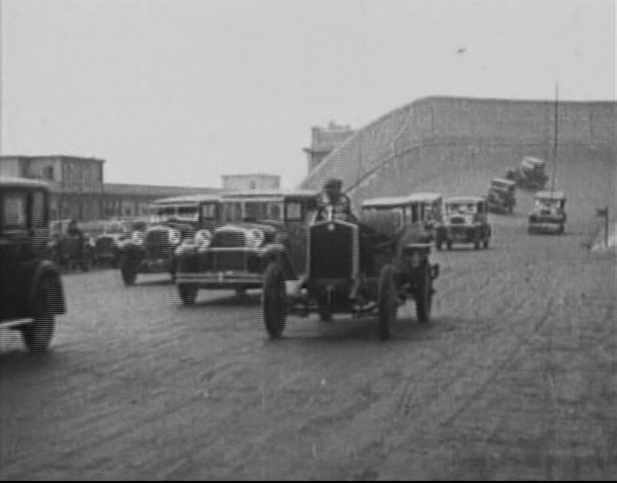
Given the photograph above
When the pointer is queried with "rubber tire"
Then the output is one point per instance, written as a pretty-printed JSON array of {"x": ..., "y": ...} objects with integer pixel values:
[
  {"x": 38, "y": 335},
  {"x": 562, "y": 229},
  {"x": 449, "y": 245},
  {"x": 424, "y": 298},
  {"x": 439, "y": 245},
  {"x": 325, "y": 315},
  {"x": 476, "y": 244},
  {"x": 273, "y": 301},
  {"x": 129, "y": 274},
  {"x": 486, "y": 242},
  {"x": 386, "y": 301},
  {"x": 188, "y": 294}
]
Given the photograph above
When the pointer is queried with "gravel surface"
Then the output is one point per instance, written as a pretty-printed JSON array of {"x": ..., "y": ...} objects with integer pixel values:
[{"x": 515, "y": 378}]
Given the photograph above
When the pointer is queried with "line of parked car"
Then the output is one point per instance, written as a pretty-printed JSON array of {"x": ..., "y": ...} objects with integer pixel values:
[{"x": 245, "y": 240}]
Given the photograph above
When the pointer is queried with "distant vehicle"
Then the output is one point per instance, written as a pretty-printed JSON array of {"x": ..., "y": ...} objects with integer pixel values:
[
  {"x": 548, "y": 213},
  {"x": 501, "y": 196},
  {"x": 530, "y": 175},
  {"x": 70, "y": 250},
  {"x": 109, "y": 239},
  {"x": 173, "y": 220},
  {"x": 31, "y": 293},
  {"x": 465, "y": 221},
  {"x": 255, "y": 226},
  {"x": 369, "y": 267}
]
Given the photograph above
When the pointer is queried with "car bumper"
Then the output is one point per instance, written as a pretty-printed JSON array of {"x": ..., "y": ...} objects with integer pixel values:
[
  {"x": 157, "y": 265},
  {"x": 221, "y": 279}
]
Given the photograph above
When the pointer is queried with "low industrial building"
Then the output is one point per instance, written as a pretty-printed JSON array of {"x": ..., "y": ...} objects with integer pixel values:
[{"x": 78, "y": 190}]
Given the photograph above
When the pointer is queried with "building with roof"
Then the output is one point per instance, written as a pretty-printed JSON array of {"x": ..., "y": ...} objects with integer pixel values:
[
  {"x": 78, "y": 189},
  {"x": 251, "y": 181},
  {"x": 324, "y": 140}
]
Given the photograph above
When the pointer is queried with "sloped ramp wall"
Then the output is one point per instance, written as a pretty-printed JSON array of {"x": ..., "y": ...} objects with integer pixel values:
[{"x": 442, "y": 144}]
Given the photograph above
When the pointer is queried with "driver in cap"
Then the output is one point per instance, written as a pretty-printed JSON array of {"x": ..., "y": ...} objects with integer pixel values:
[{"x": 332, "y": 197}]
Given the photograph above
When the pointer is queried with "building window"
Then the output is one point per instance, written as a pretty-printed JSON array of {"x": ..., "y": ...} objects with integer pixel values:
[{"x": 48, "y": 173}]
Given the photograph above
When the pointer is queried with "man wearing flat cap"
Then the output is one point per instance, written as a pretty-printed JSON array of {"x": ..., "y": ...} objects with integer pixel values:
[{"x": 333, "y": 199}]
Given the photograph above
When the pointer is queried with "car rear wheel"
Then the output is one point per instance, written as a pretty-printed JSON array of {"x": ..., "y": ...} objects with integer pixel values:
[
  {"x": 449, "y": 245},
  {"x": 274, "y": 301},
  {"x": 387, "y": 301},
  {"x": 188, "y": 293},
  {"x": 37, "y": 335},
  {"x": 424, "y": 297},
  {"x": 129, "y": 273}
]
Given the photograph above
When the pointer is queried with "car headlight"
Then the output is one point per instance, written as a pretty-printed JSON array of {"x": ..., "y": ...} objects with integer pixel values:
[
  {"x": 175, "y": 237},
  {"x": 137, "y": 238},
  {"x": 202, "y": 239},
  {"x": 254, "y": 238}
]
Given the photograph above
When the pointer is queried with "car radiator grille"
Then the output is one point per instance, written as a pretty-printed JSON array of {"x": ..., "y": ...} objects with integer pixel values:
[
  {"x": 331, "y": 251},
  {"x": 157, "y": 244},
  {"x": 228, "y": 239}
]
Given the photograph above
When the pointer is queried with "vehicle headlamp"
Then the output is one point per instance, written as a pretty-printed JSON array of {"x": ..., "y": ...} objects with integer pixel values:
[
  {"x": 254, "y": 238},
  {"x": 202, "y": 239},
  {"x": 175, "y": 237},
  {"x": 137, "y": 238}
]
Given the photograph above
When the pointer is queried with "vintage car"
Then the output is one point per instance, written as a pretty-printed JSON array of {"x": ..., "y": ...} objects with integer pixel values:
[
  {"x": 367, "y": 267},
  {"x": 530, "y": 175},
  {"x": 70, "y": 251},
  {"x": 31, "y": 293},
  {"x": 465, "y": 221},
  {"x": 431, "y": 210},
  {"x": 501, "y": 196},
  {"x": 548, "y": 214},
  {"x": 152, "y": 250},
  {"x": 234, "y": 256},
  {"x": 108, "y": 241}
]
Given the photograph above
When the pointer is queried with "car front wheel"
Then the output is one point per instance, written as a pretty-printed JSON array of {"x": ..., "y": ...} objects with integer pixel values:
[
  {"x": 387, "y": 301},
  {"x": 37, "y": 335},
  {"x": 188, "y": 294},
  {"x": 274, "y": 301},
  {"x": 129, "y": 274},
  {"x": 424, "y": 297}
]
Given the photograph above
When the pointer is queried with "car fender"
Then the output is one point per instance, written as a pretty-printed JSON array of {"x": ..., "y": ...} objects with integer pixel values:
[
  {"x": 277, "y": 252},
  {"x": 44, "y": 269}
]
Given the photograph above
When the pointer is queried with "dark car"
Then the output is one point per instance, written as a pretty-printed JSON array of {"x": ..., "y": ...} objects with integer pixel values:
[
  {"x": 152, "y": 250},
  {"x": 549, "y": 213},
  {"x": 501, "y": 196},
  {"x": 108, "y": 241},
  {"x": 31, "y": 293},
  {"x": 70, "y": 248},
  {"x": 361, "y": 268},
  {"x": 465, "y": 221},
  {"x": 235, "y": 255},
  {"x": 530, "y": 175}
]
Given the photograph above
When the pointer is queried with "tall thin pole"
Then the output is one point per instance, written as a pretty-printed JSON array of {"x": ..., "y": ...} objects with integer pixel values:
[
  {"x": 555, "y": 137},
  {"x": 1, "y": 77}
]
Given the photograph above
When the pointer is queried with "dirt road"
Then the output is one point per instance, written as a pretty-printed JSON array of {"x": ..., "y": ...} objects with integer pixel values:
[{"x": 516, "y": 377}]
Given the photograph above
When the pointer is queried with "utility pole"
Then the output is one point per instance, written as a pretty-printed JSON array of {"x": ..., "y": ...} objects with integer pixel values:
[
  {"x": 555, "y": 137},
  {"x": 1, "y": 76}
]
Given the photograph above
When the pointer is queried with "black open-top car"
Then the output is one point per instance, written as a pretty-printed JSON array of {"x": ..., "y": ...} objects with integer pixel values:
[
  {"x": 255, "y": 226},
  {"x": 152, "y": 249},
  {"x": 371, "y": 266},
  {"x": 31, "y": 293}
]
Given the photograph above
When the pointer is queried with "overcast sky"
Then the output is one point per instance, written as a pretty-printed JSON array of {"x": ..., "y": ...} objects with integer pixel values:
[{"x": 182, "y": 91}]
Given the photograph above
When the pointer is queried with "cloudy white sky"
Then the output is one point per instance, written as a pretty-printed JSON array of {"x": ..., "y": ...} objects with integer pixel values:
[{"x": 182, "y": 91}]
